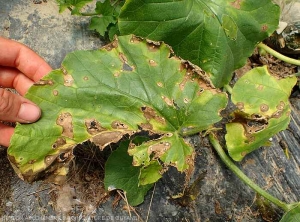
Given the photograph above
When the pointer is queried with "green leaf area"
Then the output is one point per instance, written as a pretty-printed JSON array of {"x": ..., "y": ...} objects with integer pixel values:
[
  {"x": 74, "y": 5},
  {"x": 120, "y": 174},
  {"x": 126, "y": 87},
  {"x": 292, "y": 215},
  {"x": 217, "y": 35},
  {"x": 263, "y": 110},
  {"x": 107, "y": 15}
]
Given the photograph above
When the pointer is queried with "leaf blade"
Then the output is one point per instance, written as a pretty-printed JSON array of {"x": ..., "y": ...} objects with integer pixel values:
[
  {"x": 120, "y": 174},
  {"x": 259, "y": 116},
  {"x": 103, "y": 95},
  {"x": 196, "y": 31}
]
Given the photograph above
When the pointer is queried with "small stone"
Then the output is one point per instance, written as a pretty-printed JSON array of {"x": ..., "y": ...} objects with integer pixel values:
[
  {"x": 174, "y": 213},
  {"x": 37, "y": 1},
  {"x": 9, "y": 204}
]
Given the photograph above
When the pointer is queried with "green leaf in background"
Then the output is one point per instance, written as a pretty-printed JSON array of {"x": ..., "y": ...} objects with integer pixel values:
[
  {"x": 216, "y": 35},
  {"x": 128, "y": 86},
  {"x": 263, "y": 110},
  {"x": 106, "y": 17},
  {"x": 73, "y": 5},
  {"x": 112, "y": 31},
  {"x": 292, "y": 216},
  {"x": 120, "y": 174}
]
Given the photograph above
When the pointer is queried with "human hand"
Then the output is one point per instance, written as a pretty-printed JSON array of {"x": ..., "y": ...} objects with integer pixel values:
[{"x": 20, "y": 67}]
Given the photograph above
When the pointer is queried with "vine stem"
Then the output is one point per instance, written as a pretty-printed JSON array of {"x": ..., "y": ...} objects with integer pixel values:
[
  {"x": 278, "y": 55},
  {"x": 85, "y": 13},
  {"x": 228, "y": 162}
]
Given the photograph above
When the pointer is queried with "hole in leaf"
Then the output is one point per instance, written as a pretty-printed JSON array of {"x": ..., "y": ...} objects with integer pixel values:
[
  {"x": 127, "y": 67},
  {"x": 86, "y": 172},
  {"x": 93, "y": 126},
  {"x": 64, "y": 156}
]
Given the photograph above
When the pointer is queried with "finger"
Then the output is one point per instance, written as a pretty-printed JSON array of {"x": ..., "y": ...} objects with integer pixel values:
[
  {"x": 6, "y": 133},
  {"x": 15, "y": 108},
  {"x": 17, "y": 55},
  {"x": 13, "y": 78}
]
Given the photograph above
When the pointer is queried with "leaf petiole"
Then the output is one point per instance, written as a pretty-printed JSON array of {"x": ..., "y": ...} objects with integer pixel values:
[
  {"x": 228, "y": 162},
  {"x": 278, "y": 55},
  {"x": 228, "y": 88},
  {"x": 89, "y": 13}
]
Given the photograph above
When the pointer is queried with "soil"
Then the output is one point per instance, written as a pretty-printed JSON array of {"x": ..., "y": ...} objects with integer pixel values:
[{"x": 218, "y": 195}]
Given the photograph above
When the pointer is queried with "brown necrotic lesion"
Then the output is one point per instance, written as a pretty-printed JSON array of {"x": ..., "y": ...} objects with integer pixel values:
[
  {"x": 44, "y": 82},
  {"x": 65, "y": 121},
  {"x": 68, "y": 80},
  {"x": 58, "y": 143},
  {"x": 118, "y": 125},
  {"x": 105, "y": 138},
  {"x": 159, "y": 149},
  {"x": 150, "y": 113}
]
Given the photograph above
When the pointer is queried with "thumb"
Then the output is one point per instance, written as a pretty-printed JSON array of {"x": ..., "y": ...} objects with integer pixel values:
[{"x": 15, "y": 108}]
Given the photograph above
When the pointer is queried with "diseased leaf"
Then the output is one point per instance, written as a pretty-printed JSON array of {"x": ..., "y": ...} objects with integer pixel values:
[
  {"x": 263, "y": 110},
  {"x": 217, "y": 35},
  {"x": 128, "y": 86},
  {"x": 150, "y": 174},
  {"x": 120, "y": 174}
]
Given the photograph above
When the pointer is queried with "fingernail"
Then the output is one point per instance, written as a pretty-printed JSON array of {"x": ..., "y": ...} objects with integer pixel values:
[{"x": 29, "y": 112}]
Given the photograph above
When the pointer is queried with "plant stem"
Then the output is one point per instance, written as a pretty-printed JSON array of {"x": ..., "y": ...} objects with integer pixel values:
[
  {"x": 88, "y": 13},
  {"x": 228, "y": 88},
  {"x": 278, "y": 55},
  {"x": 228, "y": 162}
]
